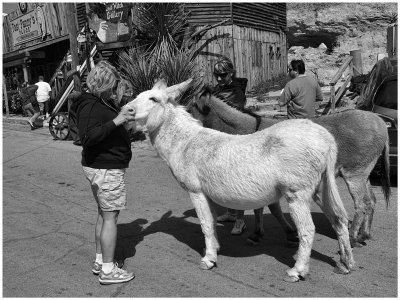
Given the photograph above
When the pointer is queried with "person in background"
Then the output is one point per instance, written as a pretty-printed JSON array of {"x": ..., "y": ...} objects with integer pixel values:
[
  {"x": 105, "y": 156},
  {"x": 29, "y": 102},
  {"x": 43, "y": 96},
  {"x": 301, "y": 93},
  {"x": 232, "y": 90}
]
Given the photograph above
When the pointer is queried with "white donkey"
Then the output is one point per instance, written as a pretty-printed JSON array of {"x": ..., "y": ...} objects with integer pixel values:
[{"x": 289, "y": 159}]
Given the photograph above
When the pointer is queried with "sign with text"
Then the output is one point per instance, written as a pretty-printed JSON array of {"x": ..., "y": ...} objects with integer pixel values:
[
  {"x": 114, "y": 26},
  {"x": 25, "y": 28}
]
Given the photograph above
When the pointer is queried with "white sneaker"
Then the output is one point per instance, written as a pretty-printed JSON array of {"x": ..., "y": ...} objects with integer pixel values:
[
  {"x": 117, "y": 275},
  {"x": 239, "y": 227}
]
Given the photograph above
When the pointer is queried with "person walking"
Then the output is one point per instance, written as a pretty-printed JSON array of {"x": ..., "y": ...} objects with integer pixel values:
[
  {"x": 232, "y": 90},
  {"x": 43, "y": 96},
  {"x": 301, "y": 93},
  {"x": 106, "y": 155},
  {"x": 29, "y": 102}
]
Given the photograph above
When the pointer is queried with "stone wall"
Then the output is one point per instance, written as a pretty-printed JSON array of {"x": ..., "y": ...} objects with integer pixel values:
[{"x": 323, "y": 34}]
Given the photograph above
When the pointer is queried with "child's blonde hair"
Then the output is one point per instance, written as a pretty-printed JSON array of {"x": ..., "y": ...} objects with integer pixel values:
[{"x": 103, "y": 79}]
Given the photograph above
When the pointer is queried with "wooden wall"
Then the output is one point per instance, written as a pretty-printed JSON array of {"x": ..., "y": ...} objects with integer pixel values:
[
  {"x": 257, "y": 54},
  {"x": 56, "y": 21}
]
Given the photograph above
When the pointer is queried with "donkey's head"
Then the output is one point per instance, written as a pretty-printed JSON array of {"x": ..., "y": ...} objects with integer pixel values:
[{"x": 147, "y": 102}]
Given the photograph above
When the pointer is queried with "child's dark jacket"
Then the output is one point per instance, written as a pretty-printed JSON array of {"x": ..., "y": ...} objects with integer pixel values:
[{"x": 105, "y": 145}]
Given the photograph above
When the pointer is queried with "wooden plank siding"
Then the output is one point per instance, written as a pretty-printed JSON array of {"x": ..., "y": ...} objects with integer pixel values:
[
  {"x": 255, "y": 40},
  {"x": 81, "y": 14},
  {"x": 55, "y": 15},
  {"x": 253, "y": 51}
]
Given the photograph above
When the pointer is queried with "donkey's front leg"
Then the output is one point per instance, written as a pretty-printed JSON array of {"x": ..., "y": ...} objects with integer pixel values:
[{"x": 207, "y": 216}]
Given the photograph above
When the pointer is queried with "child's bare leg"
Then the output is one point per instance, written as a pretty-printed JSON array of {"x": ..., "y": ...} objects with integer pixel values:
[{"x": 108, "y": 235}]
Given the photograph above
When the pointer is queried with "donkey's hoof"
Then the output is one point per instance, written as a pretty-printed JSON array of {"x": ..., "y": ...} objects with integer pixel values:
[
  {"x": 291, "y": 278},
  {"x": 341, "y": 269},
  {"x": 253, "y": 240},
  {"x": 356, "y": 243},
  {"x": 207, "y": 265}
]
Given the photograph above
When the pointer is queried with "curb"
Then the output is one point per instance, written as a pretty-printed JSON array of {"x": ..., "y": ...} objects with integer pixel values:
[{"x": 16, "y": 119}]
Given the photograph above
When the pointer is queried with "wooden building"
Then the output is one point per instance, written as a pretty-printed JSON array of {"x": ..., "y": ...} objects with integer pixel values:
[
  {"x": 35, "y": 40},
  {"x": 255, "y": 38}
]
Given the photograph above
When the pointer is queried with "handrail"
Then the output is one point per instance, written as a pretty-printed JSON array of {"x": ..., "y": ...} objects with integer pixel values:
[
  {"x": 61, "y": 65},
  {"x": 339, "y": 73},
  {"x": 335, "y": 96},
  {"x": 70, "y": 87}
]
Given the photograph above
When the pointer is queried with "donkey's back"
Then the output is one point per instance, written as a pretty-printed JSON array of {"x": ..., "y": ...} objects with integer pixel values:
[{"x": 249, "y": 171}]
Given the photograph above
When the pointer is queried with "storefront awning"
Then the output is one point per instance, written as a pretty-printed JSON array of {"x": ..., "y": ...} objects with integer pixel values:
[{"x": 17, "y": 57}]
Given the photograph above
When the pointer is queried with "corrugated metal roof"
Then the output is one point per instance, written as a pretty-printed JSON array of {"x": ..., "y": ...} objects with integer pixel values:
[
  {"x": 208, "y": 13},
  {"x": 264, "y": 16}
]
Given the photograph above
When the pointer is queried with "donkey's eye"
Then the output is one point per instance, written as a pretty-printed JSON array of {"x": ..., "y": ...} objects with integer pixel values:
[{"x": 153, "y": 99}]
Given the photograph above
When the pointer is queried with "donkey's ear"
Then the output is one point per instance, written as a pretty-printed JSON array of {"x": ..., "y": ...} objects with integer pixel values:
[
  {"x": 160, "y": 85},
  {"x": 176, "y": 90}
]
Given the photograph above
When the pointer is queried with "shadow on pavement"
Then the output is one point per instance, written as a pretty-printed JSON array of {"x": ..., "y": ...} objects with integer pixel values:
[{"x": 190, "y": 234}]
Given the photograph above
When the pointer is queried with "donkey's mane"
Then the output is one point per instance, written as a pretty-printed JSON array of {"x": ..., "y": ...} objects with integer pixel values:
[
  {"x": 181, "y": 111},
  {"x": 245, "y": 110},
  {"x": 251, "y": 113}
]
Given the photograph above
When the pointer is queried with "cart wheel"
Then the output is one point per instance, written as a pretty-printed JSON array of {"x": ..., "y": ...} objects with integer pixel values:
[{"x": 59, "y": 126}]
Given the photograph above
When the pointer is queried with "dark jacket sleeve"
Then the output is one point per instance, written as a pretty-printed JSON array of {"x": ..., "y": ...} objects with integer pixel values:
[
  {"x": 232, "y": 95},
  {"x": 91, "y": 128},
  {"x": 31, "y": 90}
]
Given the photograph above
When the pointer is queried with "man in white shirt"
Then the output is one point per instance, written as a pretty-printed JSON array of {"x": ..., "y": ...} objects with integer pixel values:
[{"x": 43, "y": 95}]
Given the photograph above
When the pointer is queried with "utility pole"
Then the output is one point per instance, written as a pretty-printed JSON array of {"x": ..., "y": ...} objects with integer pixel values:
[
  {"x": 5, "y": 97},
  {"x": 73, "y": 33}
]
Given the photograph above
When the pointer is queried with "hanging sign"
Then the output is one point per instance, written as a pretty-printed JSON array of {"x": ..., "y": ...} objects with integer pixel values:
[
  {"x": 114, "y": 25},
  {"x": 25, "y": 28},
  {"x": 29, "y": 26}
]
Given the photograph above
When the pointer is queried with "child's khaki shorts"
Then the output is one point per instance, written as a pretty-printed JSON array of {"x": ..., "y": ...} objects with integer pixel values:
[{"x": 108, "y": 187}]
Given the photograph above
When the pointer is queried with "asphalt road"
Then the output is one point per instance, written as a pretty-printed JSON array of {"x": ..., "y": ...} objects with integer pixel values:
[{"x": 48, "y": 227}]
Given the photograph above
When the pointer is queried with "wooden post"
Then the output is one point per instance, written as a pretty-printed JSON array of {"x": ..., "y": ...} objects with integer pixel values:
[
  {"x": 73, "y": 33},
  {"x": 332, "y": 98},
  {"x": 380, "y": 56},
  {"x": 357, "y": 62},
  {"x": 6, "y": 97},
  {"x": 391, "y": 44}
]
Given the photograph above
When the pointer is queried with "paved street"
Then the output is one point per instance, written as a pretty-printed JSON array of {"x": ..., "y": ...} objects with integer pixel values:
[{"x": 48, "y": 227}]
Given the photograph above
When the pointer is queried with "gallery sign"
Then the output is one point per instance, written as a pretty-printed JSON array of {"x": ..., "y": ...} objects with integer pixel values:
[{"x": 114, "y": 25}]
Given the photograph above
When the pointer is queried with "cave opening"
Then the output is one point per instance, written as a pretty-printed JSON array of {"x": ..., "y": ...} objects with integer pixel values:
[{"x": 313, "y": 40}]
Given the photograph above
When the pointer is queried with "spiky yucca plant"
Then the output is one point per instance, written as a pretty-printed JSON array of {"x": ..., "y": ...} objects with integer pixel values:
[
  {"x": 160, "y": 23},
  {"x": 139, "y": 68},
  {"x": 163, "y": 25},
  {"x": 177, "y": 66},
  {"x": 142, "y": 69}
]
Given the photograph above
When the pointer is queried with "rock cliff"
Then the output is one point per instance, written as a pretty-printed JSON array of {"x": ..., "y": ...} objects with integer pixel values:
[{"x": 323, "y": 34}]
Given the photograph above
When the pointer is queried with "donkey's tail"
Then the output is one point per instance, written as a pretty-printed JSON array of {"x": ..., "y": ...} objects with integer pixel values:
[
  {"x": 385, "y": 172},
  {"x": 330, "y": 197}
]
